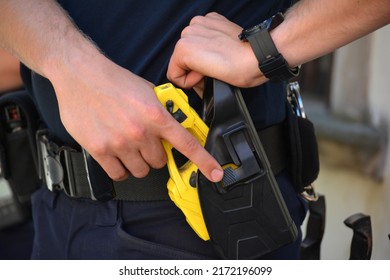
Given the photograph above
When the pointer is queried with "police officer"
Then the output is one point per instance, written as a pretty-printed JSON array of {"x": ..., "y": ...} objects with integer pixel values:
[{"x": 91, "y": 67}]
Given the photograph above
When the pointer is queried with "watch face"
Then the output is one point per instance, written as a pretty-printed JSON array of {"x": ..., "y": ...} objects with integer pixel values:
[
  {"x": 251, "y": 31},
  {"x": 268, "y": 24}
]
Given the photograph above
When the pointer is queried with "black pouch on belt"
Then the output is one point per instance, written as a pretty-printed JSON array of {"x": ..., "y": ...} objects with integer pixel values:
[
  {"x": 304, "y": 163},
  {"x": 19, "y": 121}
]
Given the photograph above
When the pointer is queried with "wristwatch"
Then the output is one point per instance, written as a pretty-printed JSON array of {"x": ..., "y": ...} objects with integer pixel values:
[{"x": 271, "y": 63}]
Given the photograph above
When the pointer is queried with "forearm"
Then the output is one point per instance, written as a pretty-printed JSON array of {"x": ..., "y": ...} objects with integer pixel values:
[
  {"x": 41, "y": 35},
  {"x": 314, "y": 28},
  {"x": 9, "y": 72},
  {"x": 9, "y": 81}
]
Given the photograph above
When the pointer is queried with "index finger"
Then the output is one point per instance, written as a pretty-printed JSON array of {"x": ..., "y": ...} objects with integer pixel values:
[{"x": 183, "y": 141}]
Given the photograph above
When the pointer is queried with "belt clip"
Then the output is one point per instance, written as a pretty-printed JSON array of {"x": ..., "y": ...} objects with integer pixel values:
[
  {"x": 50, "y": 169},
  {"x": 51, "y": 165},
  {"x": 295, "y": 99},
  {"x": 310, "y": 194}
]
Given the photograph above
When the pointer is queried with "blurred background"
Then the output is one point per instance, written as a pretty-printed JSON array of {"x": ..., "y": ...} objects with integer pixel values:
[{"x": 346, "y": 95}]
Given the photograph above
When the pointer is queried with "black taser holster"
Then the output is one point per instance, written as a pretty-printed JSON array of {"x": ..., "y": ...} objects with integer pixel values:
[
  {"x": 19, "y": 121},
  {"x": 245, "y": 214}
]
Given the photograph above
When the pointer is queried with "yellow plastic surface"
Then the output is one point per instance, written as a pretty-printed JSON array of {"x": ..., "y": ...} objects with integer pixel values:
[{"x": 180, "y": 191}]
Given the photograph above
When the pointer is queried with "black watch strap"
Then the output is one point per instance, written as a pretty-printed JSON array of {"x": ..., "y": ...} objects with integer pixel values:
[
  {"x": 262, "y": 44},
  {"x": 271, "y": 63}
]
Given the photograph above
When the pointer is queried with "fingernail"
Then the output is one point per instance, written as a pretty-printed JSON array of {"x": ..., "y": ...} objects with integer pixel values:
[{"x": 216, "y": 175}]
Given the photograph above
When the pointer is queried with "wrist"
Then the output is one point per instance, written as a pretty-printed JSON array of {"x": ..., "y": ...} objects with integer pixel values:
[
  {"x": 271, "y": 62},
  {"x": 253, "y": 75},
  {"x": 75, "y": 59},
  {"x": 281, "y": 37}
]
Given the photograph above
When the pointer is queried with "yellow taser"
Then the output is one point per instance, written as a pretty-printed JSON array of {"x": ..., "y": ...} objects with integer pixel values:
[{"x": 181, "y": 184}]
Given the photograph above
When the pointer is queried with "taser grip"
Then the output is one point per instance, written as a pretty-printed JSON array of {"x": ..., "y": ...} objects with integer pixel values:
[{"x": 180, "y": 190}]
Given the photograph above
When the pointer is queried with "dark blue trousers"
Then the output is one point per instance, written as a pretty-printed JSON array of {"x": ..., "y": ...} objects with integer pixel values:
[
  {"x": 67, "y": 228},
  {"x": 16, "y": 241}
]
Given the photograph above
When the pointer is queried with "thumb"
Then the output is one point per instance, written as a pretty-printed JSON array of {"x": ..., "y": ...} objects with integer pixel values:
[{"x": 182, "y": 76}]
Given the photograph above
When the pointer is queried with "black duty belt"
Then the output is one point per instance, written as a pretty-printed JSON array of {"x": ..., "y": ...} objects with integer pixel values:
[{"x": 63, "y": 168}]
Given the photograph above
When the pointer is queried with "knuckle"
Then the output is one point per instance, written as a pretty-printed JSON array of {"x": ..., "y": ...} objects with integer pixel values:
[
  {"x": 157, "y": 114},
  {"x": 185, "y": 32},
  {"x": 140, "y": 172},
  {"x": 197, "y": 20},
  {"x": 119, "y": 176},
  {"x": 99, "y": 148},
  {"x": 118, "y": 142},
  {"x": 159, "y": 162},
  {"x": 212, "y": 14},
  {"x": 191, "y": 146},
  {"x": 183, "y": 44},
  {"x": 136, "y": 133}
]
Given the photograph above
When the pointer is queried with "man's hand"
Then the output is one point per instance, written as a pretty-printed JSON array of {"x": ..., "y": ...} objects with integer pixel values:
[
  {"x": 210, "y": 46},
  {"x": 112, "y": 113},
  {"x": 116, "y": 116}
]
